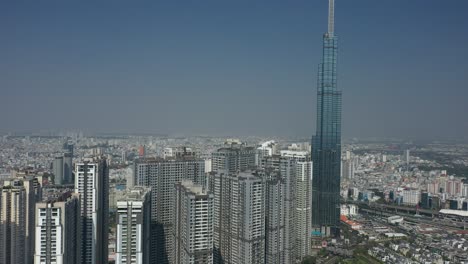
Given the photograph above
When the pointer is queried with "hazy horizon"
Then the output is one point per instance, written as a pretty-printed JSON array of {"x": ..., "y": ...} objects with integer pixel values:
[{"x": 232, "y": 68}]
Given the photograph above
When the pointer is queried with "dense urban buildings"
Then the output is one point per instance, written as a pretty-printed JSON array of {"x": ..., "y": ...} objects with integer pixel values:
[
  {"x": 72, "y": 197},
  {"x": 326, "y": 143},
  {"x": 239, "y": 217},
  {"x": 193, "y": 231},
  {"x": 133, "y": 227},
  {"x": 92, "y": 184},
  {"x": 57, "y": 227},
  {"x": 380, "y": 180},
  {"x": 162, "y": 175}
]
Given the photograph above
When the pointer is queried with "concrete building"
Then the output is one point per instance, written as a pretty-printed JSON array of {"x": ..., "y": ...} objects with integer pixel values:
[
  {"x": 161, "y": 175},
  {"x": 286, "y": 165},
  {"x": 57, "y": 167},
  {"x": 193, "y": 231},
  {"x": 57, "y": 227},
  {"x": 454, "y": 187},
  {"x": 13, "y": 225},
  {"x": 349, "y": 210},
  {"x": 133, "y": 227},
  {"x": 297, "y": 167},
  {"x": 266, "y": 149},
  {"x": 303, "y": 204},
  {"x": 347, "y": 169},
  {"x": 178, "y": 152},
  {"x": 407, "y": 158},
  {"x": 411, "y": 197},
  {"x": 233, "y": 158},
  {"x": 92, "y": 183},
  {"x": 62, "y": 167},
  {"x": 68, "y": 167},
  {"x": 239, "y": 218},
  {"x": 275, "y": 191},
  {"x": 33, "y": 194}
]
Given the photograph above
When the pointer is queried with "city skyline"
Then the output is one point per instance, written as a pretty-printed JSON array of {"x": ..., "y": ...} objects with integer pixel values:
[{"x": 402, "y": 70}]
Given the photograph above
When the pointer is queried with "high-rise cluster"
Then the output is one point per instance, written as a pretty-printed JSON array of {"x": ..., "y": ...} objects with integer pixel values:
[
  {"x": 162, "y": 175},
  {"x": 254, "y": 204},
  {"x": 237, "y": 213}
]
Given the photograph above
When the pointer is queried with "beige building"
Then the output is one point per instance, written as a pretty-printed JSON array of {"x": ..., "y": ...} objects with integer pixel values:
[{"x": 13, "y": 225}]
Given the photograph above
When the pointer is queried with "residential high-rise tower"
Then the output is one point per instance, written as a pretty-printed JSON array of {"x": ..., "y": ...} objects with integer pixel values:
[
  {"x": 57, "y": 228},
  {"x": 233, "y": 158},
  {"x": 275, "y": 191},
  {"x": 133, "y": 227},
  {"x": 193, "y": 231},
  {"x": 13, "y": 225},
  {"x": 92, "y": 183},
  {"x": 239, "y": 217}
]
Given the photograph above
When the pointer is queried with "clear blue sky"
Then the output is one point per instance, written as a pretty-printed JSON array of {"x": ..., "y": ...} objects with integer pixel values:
[{"x": 232, "y": 67}]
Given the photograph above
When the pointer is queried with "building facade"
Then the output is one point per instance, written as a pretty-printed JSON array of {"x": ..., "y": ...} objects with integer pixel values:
[
  {"x": 162, "y": 175},
  {"x": 193, "y": 232},
  {"x": 32, "y": 189},
  {"x": 133, "y": 227},
  {"x": 92, "y": 184},
  {"x": 57, "y": 166},
  {"x": 68, "y": 167},
  {"x": 302, "y": 220},
  {"x": 13, "y": 225},
  {"x": 239, "y": 218},
  {"x": 275, "y": 191},
  {"x": 233, "y": 158},
  {"x": 326, "y": 143},
  {"x": 303, "y": 204},
  {"x": 57, "y": 228}
]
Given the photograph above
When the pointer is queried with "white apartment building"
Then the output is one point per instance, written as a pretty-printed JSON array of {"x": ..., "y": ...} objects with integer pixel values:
[
  {"x": 92, "y": 183},
  {"x": 133, "y": 227},
  {"x": 57, "y": 227}
]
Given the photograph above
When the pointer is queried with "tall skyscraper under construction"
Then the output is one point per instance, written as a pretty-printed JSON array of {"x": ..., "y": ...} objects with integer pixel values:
[{"x": 326, "y": 143}]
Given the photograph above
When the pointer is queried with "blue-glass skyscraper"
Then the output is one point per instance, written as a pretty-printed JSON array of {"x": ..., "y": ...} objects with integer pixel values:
[{"x": 326, "y": 144}]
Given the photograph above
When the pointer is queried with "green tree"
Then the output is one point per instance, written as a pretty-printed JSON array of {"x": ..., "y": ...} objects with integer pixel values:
[{"x": 309, "y": 260}]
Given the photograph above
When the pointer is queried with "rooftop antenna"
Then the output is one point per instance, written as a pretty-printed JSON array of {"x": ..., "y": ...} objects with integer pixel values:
[{"x": 331, "y": 17}]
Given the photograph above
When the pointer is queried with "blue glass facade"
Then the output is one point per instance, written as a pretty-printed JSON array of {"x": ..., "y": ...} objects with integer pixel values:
[{"x": 326, "y": 144}]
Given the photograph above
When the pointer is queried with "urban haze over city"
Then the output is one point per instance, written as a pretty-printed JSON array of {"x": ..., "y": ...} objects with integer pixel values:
[{"x": 233, "y": 132}]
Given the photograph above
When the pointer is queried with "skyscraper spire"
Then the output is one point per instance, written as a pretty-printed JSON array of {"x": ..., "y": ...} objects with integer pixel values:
[
  {"x": 331, "y": 17},
  {"x": 326, "y": 143}
]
